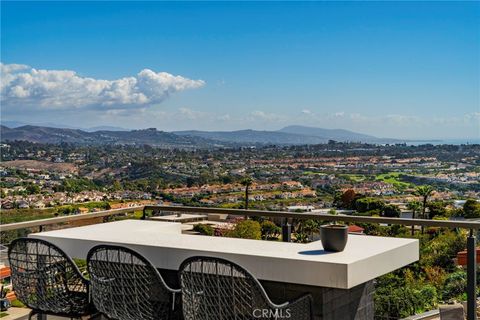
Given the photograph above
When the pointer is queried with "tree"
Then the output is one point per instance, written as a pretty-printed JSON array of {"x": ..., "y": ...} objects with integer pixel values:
[
  {"x": 226, "y": 179},
  {"x": 348, "y": 198},
  {"x": 471, "y": 209},
  {"x": 247, "y": 229},
  {"x": 437, "y": 208},
  {"x": 32, "y": 189},
  {"x": 424, "y": 192},
  {"x": 246, "y": 182},
  {"x": 270, "y": 230},
  {"x": 415, "y": 206},
  {"x": 369, "y": 204},
  {"x": 391, "y": 211},
  {"x": 116, "y": 186},
  {"x": 190, "y": 182}
]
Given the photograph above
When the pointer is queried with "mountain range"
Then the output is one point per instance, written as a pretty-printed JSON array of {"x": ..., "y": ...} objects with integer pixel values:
[
  {"x": 63, "y": 135},
  {"x": 291, "y": 135}
]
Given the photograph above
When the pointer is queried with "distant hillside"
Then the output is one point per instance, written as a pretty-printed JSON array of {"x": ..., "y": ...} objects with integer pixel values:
[
  {"x": 292, "y": 135},
  {"x": 16, "y": 124},
  {"x": 338, "y": 135},
  {"x": 57, "y": 135},
  {"x": 254, "y": 137},
  {"x": 12, "y": 124},
  {"x": 333, "y": 134},
  {"x": 105, "y": 128}
]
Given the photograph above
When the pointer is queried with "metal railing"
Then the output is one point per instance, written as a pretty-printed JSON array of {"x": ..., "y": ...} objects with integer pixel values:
[
  {"x": 286, "y": 232},
  {"x": 317, "y": 216},
  {"x": 70, "y": 218},
  {"x": 286, "y": 229}
]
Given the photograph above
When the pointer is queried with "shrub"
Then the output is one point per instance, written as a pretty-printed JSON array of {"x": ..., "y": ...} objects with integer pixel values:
[
  {"x": 369, "y": 213},
  {"x": 428, "y": 297},
  {"x": 220, "y": 232},
  {"x": 437, "y": 208},
  {"x": 204, "y": 229},
  {"x": 441, "y": 250},
  {"x": 300, "y": 237},
  {"x": 391, "y": 211},
  {"x": 368, "y": 204},
  {"x": 436, "y": 276},
  {"x": 455, "y": 285},
  {"x": 246, "y": 229},
  {"x": 270, "y": 230},
  {"x": 401, "y": 302},
  {"x": 471, "y": 209}
]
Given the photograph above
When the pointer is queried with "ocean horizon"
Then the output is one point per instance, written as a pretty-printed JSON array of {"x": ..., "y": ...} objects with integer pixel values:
[{"x": 445, "y": 141}]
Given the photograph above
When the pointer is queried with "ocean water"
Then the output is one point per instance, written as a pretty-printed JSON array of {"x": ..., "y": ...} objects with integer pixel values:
[{"x": 446, "y": 141}]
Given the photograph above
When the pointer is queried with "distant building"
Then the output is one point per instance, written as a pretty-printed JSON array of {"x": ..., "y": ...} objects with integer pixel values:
[
  {"x": 355, "y": 229},
  {"x": 22, "y": 204},
  {"x": 300, "y": 208}
]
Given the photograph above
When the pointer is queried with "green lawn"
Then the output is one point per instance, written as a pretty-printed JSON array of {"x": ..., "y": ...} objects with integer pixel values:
[
  {"x": 394, "y": 179},
  {"x": 20, "y": 215},
  {"x": 312, "y": 173},
  {"x": 354, "y": 177}
]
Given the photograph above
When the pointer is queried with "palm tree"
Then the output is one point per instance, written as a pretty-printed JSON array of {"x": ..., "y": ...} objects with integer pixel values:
[
  {"x": 415, "y": 207},
  {"x": 247, "y": 182},
  {"x": 424, "y": 192}
]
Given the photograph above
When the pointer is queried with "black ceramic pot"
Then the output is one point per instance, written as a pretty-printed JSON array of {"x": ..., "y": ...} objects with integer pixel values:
[{"x": 334, "y": 237}]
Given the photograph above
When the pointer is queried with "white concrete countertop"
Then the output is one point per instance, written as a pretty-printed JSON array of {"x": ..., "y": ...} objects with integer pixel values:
[{"x": 364, "y": 257}]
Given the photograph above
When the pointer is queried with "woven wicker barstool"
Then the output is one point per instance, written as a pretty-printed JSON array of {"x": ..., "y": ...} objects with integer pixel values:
[
  {"x": 46, "y": 280},
  {"x": 126, "y": 286},
  {"x": 218, "y": 289}
]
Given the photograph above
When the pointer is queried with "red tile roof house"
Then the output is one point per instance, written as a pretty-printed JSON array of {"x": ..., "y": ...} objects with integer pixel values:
[
  {"x": 355, "y": 229},
  {"x": 5, "y": 274}
]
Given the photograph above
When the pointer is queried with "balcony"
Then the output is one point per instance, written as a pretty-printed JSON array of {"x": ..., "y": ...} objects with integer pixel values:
[{"x": 342, "y": 284}]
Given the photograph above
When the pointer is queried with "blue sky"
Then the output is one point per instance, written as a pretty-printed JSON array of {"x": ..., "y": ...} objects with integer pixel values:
[{"x": 391, "y": 69}]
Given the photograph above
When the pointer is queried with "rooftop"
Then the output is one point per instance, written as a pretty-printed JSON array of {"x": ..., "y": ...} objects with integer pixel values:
[{"x": 285, "y": 269}]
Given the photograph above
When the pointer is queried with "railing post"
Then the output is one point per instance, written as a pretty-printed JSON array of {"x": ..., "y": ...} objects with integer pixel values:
[
  {"x": 471, "y": 277},
  {"x": 286, "y": 231},
  {"x": 40, "y": 228}
]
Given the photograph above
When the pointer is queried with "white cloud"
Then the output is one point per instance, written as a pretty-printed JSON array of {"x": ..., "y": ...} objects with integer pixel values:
[
  {"x": 474, "y": 116},
  {"x": 24, "y": 86},
  {"x": 261, "y": 115},
  {"x": 401, "y": 120},
  {"x": 7, "y": 68},
  {"x": 224, "y": 117},
  {"x": 190, "y": 114}
]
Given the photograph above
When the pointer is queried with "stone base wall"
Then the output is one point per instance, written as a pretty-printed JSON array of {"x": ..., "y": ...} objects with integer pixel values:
[{"x": 328, "y": 303}]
